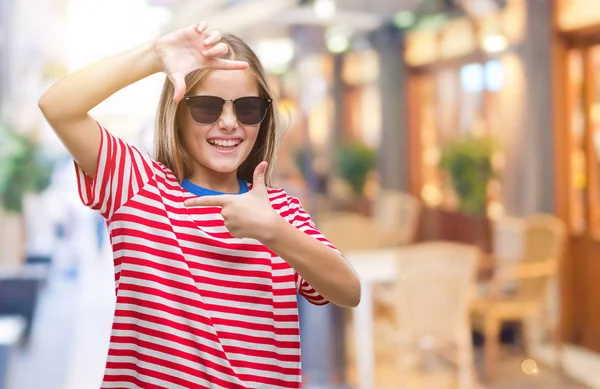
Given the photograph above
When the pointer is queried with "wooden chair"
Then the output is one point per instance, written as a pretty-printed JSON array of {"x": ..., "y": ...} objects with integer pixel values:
[
  {"x": 350, "y": 231},
  {"x": 397, "y": 214},
  {"x": 431, "y": 300},
  {"x": 340, "y": 194},
  {"x": 543, "y": 243}
]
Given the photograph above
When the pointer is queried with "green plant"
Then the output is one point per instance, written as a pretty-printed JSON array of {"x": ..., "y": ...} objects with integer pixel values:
[
  {"x": 354, "y": 162},
  {"x": 468, "y": 163},
  {"x": 23, "y": 168}
]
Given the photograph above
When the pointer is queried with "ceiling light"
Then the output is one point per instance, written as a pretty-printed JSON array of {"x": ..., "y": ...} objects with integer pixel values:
[{"x": 324, "y": 9}]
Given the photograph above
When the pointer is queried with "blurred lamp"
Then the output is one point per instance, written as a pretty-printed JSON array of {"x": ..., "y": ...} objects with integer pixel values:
[
  {"x": 529, "y": 367},
  {"x": 337, "y": 41},
  {"x": 324, "y": 9},
  {"x": 275, "y": 54},
  {"x": 337, "y": 44},
  {"x": 495, "y": 43}
]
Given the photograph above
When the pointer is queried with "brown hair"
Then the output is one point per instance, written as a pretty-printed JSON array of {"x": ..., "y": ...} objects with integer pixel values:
[{"x": 170, "y": 151}]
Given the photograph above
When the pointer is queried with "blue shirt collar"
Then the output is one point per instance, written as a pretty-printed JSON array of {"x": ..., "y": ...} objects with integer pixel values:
[{"x": 200, "y": 191}]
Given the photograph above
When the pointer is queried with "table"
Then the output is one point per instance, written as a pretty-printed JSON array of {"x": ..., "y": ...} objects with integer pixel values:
[{"x": 378, "y": 266}]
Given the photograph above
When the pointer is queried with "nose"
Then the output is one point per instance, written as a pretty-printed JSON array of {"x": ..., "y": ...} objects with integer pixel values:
[{"x": 227, "y": 120}]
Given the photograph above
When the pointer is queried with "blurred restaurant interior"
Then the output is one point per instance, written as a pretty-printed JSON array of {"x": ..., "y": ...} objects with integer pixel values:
[{"x": 449, "y": 148}]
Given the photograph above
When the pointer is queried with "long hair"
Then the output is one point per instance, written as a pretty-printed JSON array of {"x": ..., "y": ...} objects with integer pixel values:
[{"x": 168, "y": 147}]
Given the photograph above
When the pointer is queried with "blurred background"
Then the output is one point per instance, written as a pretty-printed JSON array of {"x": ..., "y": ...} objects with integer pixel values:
[{"x": 450, "y": 148}]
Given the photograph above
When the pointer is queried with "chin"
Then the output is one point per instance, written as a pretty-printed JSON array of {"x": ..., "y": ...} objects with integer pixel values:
[
  {"x": 223, "y": 168},
  {"x": 222, "y": 165},
  {"x": 224, "y": 162}
]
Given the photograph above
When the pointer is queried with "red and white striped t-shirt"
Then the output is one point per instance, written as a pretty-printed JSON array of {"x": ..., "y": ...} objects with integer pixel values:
[{"x": 195, "y": 307}]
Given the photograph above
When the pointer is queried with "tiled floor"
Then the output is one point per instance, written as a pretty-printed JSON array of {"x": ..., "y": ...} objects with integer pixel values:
[
  {"x": 510, "y": 376},
  {"x": 68, "y": 346},
  {"x": 579, "y": 362},
  {"x": 440, "y": 375}
]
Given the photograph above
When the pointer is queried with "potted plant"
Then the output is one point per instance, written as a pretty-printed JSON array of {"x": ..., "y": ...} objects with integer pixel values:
[
  {"x": 23, "y": 169},
  {"x": 467, "y": 163},
  {"x": 354, "y": 163}
]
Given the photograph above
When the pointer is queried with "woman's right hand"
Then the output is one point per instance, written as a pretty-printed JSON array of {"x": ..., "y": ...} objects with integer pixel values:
[{"x": 190, "y": 48}]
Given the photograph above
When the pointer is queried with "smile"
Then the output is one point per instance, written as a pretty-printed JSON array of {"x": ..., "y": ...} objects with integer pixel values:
[{"x": 225, "y": 144}]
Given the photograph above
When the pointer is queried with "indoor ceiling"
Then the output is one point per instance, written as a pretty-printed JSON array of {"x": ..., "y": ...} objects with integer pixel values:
[{"x": 275, "y": 16}]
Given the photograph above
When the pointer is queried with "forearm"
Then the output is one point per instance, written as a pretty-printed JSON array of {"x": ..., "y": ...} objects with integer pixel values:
[
  {"x": 75, "y": 95},
  {"x": 322, "y": 267}
]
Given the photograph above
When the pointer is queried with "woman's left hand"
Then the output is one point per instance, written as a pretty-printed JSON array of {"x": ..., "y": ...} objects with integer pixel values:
[{"x": 249, "y": 215}]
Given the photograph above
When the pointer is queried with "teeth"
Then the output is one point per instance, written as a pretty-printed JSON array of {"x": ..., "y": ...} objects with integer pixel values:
[{"x": 224, "y": 143}]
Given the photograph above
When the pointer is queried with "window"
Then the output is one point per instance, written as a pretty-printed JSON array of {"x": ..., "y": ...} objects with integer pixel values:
[{"x": 453, "y": 102}]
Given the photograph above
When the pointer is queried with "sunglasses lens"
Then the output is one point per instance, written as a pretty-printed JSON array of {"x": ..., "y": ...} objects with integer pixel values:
[
  {"x": 251, "y": 110},
  {"x": 206, "y": 109}
]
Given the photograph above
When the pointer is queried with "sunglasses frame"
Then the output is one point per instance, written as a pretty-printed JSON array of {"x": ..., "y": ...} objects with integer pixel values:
[{"x": 189, "y": 99}]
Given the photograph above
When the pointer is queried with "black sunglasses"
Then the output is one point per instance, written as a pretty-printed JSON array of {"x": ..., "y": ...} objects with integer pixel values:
[{"x": 249, "y": 110}]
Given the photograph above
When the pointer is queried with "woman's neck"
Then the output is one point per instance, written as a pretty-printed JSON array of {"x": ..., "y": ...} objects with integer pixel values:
[{"x": 219, "y": 182}]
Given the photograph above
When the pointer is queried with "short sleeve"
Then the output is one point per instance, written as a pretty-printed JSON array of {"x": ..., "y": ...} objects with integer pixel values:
[
  {"x": 300, "y": 219},
  {"x": 122, "y": 170}
]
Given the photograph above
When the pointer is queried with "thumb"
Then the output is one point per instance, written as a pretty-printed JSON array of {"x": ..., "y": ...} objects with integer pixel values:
[
  {"x": 259, "y": 177},
  {"x": 178, "y": 81}
]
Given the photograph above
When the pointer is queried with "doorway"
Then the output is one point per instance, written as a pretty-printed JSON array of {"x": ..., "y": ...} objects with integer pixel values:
[{"x": 579, "y": 145}]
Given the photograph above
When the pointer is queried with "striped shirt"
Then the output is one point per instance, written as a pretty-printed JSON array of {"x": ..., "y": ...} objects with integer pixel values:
[{"x": 195, "y": 307}]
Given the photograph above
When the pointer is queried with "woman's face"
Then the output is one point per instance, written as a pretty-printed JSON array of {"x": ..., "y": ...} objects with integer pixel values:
[{"x": 222, "y": 146}]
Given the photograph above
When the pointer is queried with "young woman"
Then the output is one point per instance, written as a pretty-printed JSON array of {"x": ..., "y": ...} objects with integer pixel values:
[{"x": 208, "y": 258}]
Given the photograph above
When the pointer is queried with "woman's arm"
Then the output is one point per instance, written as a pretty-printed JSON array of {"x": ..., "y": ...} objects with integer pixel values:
[
  {"x": 321, "y": 266},
  {"x": 67, "y": 103},
  {"x": 251, "y": 216}
]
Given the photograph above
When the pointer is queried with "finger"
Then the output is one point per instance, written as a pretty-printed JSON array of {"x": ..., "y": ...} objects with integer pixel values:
[
  {"x": 228, "y": 64},
  {"x": 202, "y": 26},
  {"x": 259, "y": 177},
  {"x": 207, "y": 201},
  {"x": 216, "y": 51},
  {"x": 178, "y": 81},
  {"x": 212, "y": 37}
]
